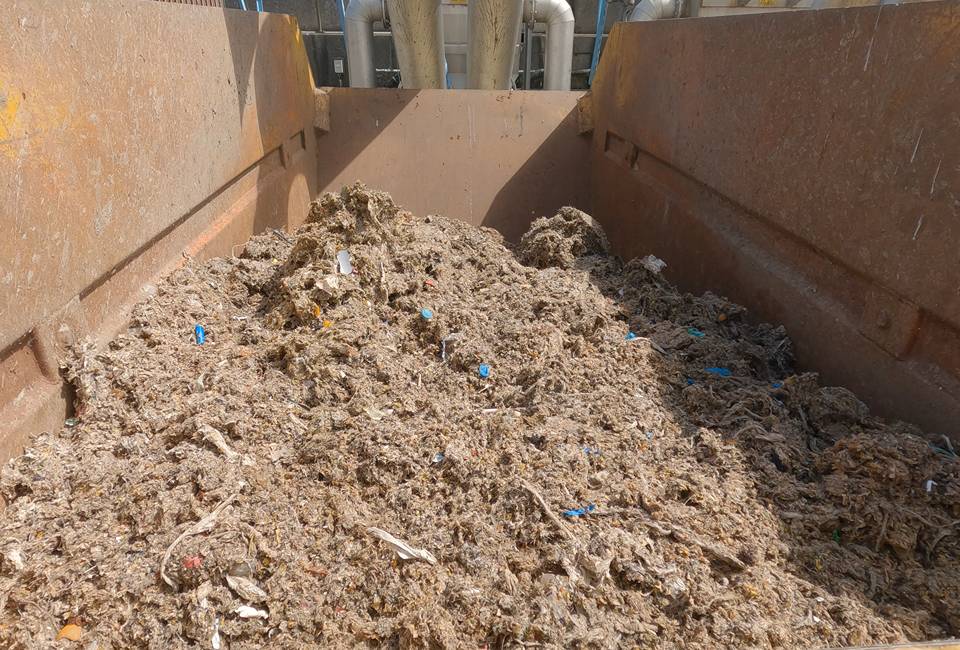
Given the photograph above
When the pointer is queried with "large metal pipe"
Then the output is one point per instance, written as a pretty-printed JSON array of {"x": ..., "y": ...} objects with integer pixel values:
[
  {"x": 494, "y": 29},
  {"x": 558, "y": 60},
  {"x": 358, "y": 31},
  {"x": 655, "y": 10},
  {"x": 418, "y": 37}
]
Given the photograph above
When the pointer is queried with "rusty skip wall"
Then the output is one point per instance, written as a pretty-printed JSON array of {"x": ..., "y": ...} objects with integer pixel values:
[
  {"x": 806, "y": 165},
  {"x": 131, "y": 134},
  {"x": 796, "y": 187},
  {"x": 181, "y": 130}
]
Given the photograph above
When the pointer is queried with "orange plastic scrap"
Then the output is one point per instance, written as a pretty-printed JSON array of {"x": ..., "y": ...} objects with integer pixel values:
[{"x": 70, "y": 632}]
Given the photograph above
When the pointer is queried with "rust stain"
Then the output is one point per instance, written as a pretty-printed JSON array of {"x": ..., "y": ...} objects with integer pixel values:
[
  {"x": 19, "y": 124},
  {"x": 9, "y": 107}
]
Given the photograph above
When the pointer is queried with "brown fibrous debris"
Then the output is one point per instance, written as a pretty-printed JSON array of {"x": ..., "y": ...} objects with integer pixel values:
[{"x": 592, "y": 490}]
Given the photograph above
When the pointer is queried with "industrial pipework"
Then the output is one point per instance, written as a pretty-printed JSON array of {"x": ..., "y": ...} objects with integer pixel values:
[
  {"x": 358, "y": 31},
  {"x": 558, "y": 60},
  {"x": 494, "y": 30},
  {"x": 417, "y": 36},
  {"x": 655, "y": 10}
]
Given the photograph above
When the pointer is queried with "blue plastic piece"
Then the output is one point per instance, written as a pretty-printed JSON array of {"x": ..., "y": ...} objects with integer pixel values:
[
  {"x": 630, "y": 336},
  {"x": 777, "y": 384},
  {"x": 199, "y": 334},
  {"x": 598, "y": 39},
  {"x": 591, "y": 451},
  {"x": 722, "y": 372},
  {"x": 260, "y": 6},
  {"x": 690, "y": 382},
  {"x": 483, "y": 370},
  {"x": 579, "y": 512},
  {"x": 693, "y": 331},
  {"x": 426, "y": 314}
]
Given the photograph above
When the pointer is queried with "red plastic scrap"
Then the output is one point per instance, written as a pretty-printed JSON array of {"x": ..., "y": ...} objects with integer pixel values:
[{"x": 192, "y": 562}]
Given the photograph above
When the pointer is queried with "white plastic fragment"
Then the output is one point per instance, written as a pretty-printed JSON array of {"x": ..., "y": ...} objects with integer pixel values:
[
  {"x": 653, "y": 264},
  {"x": 448, "y": 343},
  {"x": 376, "y": 414},
  {"x": 676, "y": 586},
  {"x": 404, "y": 550},
  {"x": 215, "y": 639},
  {"x": 929, "y": 485},
  {"x": 14, "y": 556},
  {"x": 343, "y": 262},
  {"x": 245, "y": 611},
  {"x": 327, "y": 287},
  {"x": 246, "y": 588}
]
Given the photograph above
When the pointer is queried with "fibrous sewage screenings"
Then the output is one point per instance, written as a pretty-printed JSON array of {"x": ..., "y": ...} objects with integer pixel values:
[{"x": 463, "y": 444}]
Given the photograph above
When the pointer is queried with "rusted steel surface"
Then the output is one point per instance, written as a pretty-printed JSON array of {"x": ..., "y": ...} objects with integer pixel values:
[
  {"x": 201, "y": 3},
  {"x": 932, "y": 645},
  {"x": 811, "y": 171},
  {"x": 132, "y": 133},
  {"x": 493, "y": 158}
]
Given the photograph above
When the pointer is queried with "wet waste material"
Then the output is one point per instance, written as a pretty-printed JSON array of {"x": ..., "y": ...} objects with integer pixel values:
[{"x": 549, "y": 457}]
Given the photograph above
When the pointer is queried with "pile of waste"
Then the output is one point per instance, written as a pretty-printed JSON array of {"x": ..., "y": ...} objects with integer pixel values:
[{"x": 386, "y": 429}]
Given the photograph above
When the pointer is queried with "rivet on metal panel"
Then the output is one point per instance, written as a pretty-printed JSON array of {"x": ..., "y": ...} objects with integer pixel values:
[{"x": 890, "y": 322}]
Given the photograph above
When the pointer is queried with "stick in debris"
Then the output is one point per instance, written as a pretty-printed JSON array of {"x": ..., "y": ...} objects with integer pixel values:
[
  {"x": 205, "y": 525},
  {"x": 404, "y": 550},
  {"x": 217, "y": 439},
  {"x": 546, "y": 510},
  {"x": 712, "y": 551}
]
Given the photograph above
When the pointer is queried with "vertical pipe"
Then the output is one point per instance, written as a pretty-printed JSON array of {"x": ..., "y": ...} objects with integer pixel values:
[
  {"x": 528, "y": 54},
  {"x": 259, "y": 6},
  {"x": 558, "y": 60},
  {"x": 598, "y": 41},
  {"x": 418, "y": 37},
  {"x": 492, "y": 48},
  {"x": 342, "y": 15},
  {"x": 358, "y": 33}
]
